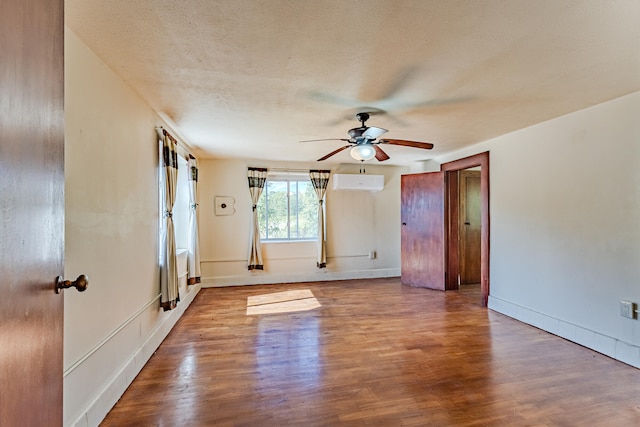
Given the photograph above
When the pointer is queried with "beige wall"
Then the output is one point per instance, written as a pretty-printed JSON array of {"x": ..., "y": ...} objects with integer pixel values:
[
  {"x": 357, "y": 222},
  {"x": 111, "y": 203},
  {"x": 565, "y": 225}
]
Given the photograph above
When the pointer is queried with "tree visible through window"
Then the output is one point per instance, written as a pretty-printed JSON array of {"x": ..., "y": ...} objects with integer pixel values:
[{"x": 288, "y": 210}]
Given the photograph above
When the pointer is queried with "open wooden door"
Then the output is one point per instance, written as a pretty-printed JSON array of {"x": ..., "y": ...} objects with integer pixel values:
[
  {"x": 31, "y": 211},
  {"x": 423, "y": 243},
  {"x": 470, "y": 227}
]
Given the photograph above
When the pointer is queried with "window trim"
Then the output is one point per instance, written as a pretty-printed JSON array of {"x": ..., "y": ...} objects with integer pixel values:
[{"x": 288, "y": 178}]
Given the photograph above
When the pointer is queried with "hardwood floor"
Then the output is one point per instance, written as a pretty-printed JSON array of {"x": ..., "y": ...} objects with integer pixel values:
[{"x": 376, "y": 353}]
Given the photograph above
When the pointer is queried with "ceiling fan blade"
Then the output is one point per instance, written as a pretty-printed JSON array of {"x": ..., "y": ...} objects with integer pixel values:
[
  {"x": 326, "y": 139},
  {"x": 373, "y": 132},
  {"x": 333, "y": 152},
  {"x": 415, "y": 144},
  {"x": 380, "y": 155}
]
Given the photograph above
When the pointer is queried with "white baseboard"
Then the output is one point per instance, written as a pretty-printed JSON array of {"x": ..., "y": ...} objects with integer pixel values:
[
  {"x": 609, "y": 346},
  {"x": 264, "y": 278},
  {"x": 94, "y": 412}
]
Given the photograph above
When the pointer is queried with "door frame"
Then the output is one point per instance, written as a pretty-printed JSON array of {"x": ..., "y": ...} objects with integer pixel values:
[{"x": 452, "y": 213}]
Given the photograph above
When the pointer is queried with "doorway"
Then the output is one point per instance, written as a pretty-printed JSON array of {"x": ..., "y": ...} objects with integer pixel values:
[
  {"x": 455, "y": 220},
  {"x": 431, "y": 226}
]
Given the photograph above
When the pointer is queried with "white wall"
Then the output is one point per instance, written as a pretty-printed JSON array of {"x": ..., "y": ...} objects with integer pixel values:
[
  {"x": 111, "y": 201},
  {"x": 565, "y": 225},
  {"x": 357, "y": 223}
]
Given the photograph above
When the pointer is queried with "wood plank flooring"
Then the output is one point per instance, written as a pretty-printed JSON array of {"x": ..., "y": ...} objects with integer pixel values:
[{"x": 376, "y": 353}]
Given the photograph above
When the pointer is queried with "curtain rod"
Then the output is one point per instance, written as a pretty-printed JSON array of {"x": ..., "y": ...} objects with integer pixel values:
[
  {"x": 293, "y": 170},
  {"x": 287, "y": 170}
]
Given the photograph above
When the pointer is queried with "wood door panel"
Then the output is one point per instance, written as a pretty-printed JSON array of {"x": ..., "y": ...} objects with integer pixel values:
[
  {"x": 470, "y": 224},
  {"x": 32, "y": 211},
  {"x": 423, "y": 230}
]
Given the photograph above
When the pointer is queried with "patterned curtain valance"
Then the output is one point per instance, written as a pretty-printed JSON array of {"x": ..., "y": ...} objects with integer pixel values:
[
  {"x": 257, "y": 177},
  {"x": 193, "y": 176},
  {"x": 319, "y": 178},
  {"x": 169, "y": 150}
]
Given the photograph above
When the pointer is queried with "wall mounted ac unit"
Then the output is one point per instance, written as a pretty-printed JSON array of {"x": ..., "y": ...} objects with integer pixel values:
[{"x": 358, "y": 182}]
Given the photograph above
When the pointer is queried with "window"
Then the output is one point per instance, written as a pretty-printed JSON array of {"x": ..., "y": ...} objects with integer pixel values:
[
  {"x": 182, "y": 206},
  {"x": 288, "y": 209},
  {"x": 180, "y": 212}
]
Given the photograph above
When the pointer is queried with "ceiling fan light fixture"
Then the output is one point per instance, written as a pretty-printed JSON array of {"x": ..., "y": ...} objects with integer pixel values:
[{"x": 363, "y": 152}]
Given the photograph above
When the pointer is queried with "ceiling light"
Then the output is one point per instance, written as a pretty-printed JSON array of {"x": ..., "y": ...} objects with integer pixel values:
[{"x": 363, "y": 152}]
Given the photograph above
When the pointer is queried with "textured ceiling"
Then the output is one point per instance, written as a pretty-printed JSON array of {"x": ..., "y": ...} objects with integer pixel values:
[{"x": 245, "y": 78}]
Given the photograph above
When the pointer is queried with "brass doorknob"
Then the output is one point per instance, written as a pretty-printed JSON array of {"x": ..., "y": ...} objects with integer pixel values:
[{"x": 80, "y": 283}]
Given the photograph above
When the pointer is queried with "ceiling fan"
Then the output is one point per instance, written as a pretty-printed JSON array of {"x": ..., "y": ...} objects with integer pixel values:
[{"x": 363, "y": 144}]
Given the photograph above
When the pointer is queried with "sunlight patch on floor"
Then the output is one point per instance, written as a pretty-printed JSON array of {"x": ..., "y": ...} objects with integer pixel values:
[{"x": 282, "y": 302}]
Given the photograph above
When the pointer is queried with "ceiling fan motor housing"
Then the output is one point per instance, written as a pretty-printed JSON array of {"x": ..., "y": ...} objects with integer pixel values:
[
  {"x": 356, "y": 133},
  {"x": 362, "y": 117}
]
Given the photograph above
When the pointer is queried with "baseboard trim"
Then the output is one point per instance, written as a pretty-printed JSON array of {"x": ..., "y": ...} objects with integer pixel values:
[
  {"x": 259, "y": 278},
  {"x": 109, "y": 395},
  {"x": 607, "y": 345}
]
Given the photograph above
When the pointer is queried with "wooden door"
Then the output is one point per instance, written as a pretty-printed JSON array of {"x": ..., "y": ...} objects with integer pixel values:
[
  {"x": 31, "y": 211},
  {"x": 469, "y": 227},
  {"x": 423, "y": 230}
]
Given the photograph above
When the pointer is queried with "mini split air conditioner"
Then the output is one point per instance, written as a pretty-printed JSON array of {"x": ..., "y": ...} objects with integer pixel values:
[{"x": 358, "y": 182}]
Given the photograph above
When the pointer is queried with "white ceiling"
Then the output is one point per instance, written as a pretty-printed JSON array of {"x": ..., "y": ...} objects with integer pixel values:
[{"x": 250, "y": 78}]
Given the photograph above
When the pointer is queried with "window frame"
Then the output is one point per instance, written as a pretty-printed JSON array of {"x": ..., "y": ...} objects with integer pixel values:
[{"x": 288, "y": 178}]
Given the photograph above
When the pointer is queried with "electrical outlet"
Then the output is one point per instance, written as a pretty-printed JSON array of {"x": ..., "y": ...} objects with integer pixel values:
[{"x": 628, "y": 309}]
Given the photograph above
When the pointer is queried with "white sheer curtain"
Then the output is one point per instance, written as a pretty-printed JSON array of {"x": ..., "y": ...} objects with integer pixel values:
[
  {"x": 168, "y": 268},
  {"x": 320, "y": 180},
  {"x": 257, "y": 179},
  {"x": 194, "y": 244}
]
